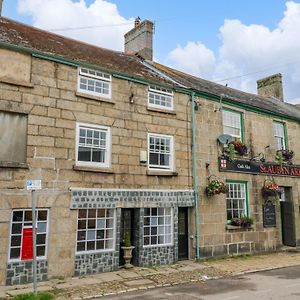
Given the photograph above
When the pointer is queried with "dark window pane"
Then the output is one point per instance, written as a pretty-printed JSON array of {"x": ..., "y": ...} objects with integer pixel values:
[
  {"x": 81, "y": 224},
  {"x": 81, "y": 235},
  {"x": 110, "y": 213},
  {"x": 101, "y": 213},
  {"x": 82, "y": 213},
  {"x": 16, "y": 228},
  {"x": 81, "y": 246},
  {"x": 40, "y": 251},
  {"x": 91, "y": 245},
  {"x": 41, "y": 239},
  {"x": 153, "y": 230},
  {"x": 153, "y": 158},
  {"x": 28, "y": 215},
  {"x": 18, "y": 216},
  {"x": 153, "y": 240},
  {"x": 14, "y": 253},
  {"x": 100, "y": 234},
  {"x": 42, "y": 215},
  {"x": 146, "y": 240},
  {"x": 92, "y": 223},
  {"x": 98, "y": 155},
  {"x": 84, "y": 154},
  {"x": 146, "y": 230},
  {"x": 16, "y": 240},
  {"x": 100, "y": 245},
  {"x": 92, "y": 213}
]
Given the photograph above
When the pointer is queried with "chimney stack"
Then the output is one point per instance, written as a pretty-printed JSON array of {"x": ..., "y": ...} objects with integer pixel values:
[
  {"x": 271, "y": 87},
  {"x": 1, "y": 2},
  {"x": 139, "y": 40}
]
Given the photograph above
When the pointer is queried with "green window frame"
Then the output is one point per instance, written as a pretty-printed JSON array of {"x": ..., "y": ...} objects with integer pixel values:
[
  {"x": 237, "y": 201},
  {"x": 233, "y": 123},
  {"x": 279, "y": 130}
]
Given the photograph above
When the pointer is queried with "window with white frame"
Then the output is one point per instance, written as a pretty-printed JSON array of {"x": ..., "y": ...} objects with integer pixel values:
[
  {"x": 94, "y": 82},
  {"x": 279, "y": 135},
  {"x": 158, "y": 228},
  {"x": 236, "y": 200},
  {"x": 21, "y": 234},
  {"x": 159, "y": 97},
  {"x": 93, "y": 147},
  {"x": 160, "y": 151},
  {"x": 232, "y": 123},
  {"x": 95, "y": 230}
]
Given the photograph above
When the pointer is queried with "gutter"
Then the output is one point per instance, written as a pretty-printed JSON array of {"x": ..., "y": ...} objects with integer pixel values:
[{"x": 195, "y": 178}]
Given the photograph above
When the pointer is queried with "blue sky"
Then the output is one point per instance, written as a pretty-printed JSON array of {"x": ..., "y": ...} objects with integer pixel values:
[{"x": 258, "y": 38}]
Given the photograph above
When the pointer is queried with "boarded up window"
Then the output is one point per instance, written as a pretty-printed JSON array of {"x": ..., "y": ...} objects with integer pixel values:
[
  {"x": 13, "y": 137},
  {"x": 15, "y": 67}
]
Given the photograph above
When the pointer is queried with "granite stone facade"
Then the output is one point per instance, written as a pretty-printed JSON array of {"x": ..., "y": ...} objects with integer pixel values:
[{"x": 21, "y": 272}]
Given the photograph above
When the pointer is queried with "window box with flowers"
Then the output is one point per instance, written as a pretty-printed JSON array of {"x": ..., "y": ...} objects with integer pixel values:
[
  {"x": 284, "y": 156},
  {"x": 235, "y": 148},
  {"x": 215, "y": 186},
  {"x": 242, "y": 222},
  {"x": 270, "y": 190}
]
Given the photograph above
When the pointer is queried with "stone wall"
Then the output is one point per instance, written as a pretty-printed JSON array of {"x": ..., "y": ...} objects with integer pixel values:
[{"x": 21, "y": 272}]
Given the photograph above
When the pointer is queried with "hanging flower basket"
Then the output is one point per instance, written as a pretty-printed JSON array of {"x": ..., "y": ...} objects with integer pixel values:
[
  {"x": 215, "y": 187},
  {"x": 270, "y": 189},
  {"x": 239, "y": 147}
]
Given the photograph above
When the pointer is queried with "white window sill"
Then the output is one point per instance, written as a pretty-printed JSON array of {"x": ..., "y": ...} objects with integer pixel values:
[
  {"x": 161, "y": 110},
  {"x": 5, "y": 164},
  {"x": 93, "y": 97},
  {"x": 161, "y": 173},
  {"x": 94, "y": 169},
  {"x": 159, "y": 245}
]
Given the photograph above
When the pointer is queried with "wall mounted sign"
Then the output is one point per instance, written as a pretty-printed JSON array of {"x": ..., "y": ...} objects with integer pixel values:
[
  {"x": 269, "y": 215},
  {"x": 27, "y": 250},
  {"x": 255, "y": 167}
]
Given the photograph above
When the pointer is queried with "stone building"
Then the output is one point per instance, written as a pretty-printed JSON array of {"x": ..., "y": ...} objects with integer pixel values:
[{"x": 120, "y": 143}]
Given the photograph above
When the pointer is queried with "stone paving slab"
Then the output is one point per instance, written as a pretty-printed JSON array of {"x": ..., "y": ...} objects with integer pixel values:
[
  {"x": 128, "y": 274},
  {"x": 138, "y": 282}
]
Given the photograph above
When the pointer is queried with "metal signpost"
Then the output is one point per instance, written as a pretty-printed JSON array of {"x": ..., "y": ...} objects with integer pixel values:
[{"x": 33, "y": 185}]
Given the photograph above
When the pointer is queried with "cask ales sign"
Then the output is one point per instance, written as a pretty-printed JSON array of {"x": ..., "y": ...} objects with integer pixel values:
[{"x": 255, "y": 167}]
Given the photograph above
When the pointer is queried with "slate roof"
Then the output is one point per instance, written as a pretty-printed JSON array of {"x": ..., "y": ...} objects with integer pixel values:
[
  {"x": 268, "y": 104},
  {"x": 15, "y": 33}
]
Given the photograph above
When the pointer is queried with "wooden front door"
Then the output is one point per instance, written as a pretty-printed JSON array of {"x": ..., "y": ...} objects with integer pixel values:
[{"x": 183, "y": 239}]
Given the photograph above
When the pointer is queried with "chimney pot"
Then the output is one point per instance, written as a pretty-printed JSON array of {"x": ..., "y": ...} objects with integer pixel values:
[
  {"x": 137, "y": 22},
  {"x": 271, "y": 86}
]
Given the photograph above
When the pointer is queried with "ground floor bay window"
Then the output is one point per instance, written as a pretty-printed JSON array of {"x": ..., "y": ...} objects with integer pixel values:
[
  {"x": 158, "y": 226},
  {"x": 236, "y": 199},
  {"x": 95, "y": 230}
]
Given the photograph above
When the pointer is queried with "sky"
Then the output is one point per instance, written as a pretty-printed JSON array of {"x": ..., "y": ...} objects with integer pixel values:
[{"x": 233, "y": 42}]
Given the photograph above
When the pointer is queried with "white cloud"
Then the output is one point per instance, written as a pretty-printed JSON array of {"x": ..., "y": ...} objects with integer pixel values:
[
  {"x": 194, "y": 57},
  {"x": 253, "y": 49},
  {"x": 101, "y": 14}
]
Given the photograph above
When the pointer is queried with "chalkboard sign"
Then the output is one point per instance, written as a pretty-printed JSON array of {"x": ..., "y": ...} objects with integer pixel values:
[{"x": 269, "y": 215}]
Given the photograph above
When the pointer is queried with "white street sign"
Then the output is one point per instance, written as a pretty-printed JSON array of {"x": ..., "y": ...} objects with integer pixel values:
[{"x": 34, "y": 184}]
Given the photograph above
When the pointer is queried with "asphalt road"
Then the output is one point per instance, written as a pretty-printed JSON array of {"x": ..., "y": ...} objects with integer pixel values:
[{"x": 276, "y": 284}]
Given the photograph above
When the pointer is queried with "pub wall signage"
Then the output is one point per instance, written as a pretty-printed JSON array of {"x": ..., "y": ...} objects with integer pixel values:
[{"x": 255, "y": 167}]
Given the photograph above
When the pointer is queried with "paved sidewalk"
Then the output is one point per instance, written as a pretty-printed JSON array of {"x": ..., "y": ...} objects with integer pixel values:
[{"x": 145, "y": 278}]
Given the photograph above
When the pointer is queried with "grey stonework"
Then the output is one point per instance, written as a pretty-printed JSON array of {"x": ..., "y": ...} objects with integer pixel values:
[
  {"x": 96, "y": 263},
  {"x": 98, "y": 198},
  {"x": 21, "y": 272},
  {"x": 91, "y": 263}
]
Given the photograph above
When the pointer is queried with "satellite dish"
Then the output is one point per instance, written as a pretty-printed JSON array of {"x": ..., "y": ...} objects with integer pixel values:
[{"x": 225, "y": 139}]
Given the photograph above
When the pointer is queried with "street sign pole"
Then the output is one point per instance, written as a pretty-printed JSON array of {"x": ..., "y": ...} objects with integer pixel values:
[
  {"x": 33, "y": 185},
  {"x": 33, "y": 198}
]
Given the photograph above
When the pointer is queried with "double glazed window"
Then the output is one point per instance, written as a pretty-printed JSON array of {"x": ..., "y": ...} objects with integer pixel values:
[
  {"x": 93, "y": 145},
  {"x": 159, "y": 97},
  {"x": 160, "y": 151},
  {"x": 21, "y": 234},
  {"x": 158, "y": 226},
  {"x": 279, "y": 135},
  {"x": 95, "y": 230},
  {"x": 236, "y": 200},
  {"x": 94, "y": 82},
  {"x": 232, "y": 123}
]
